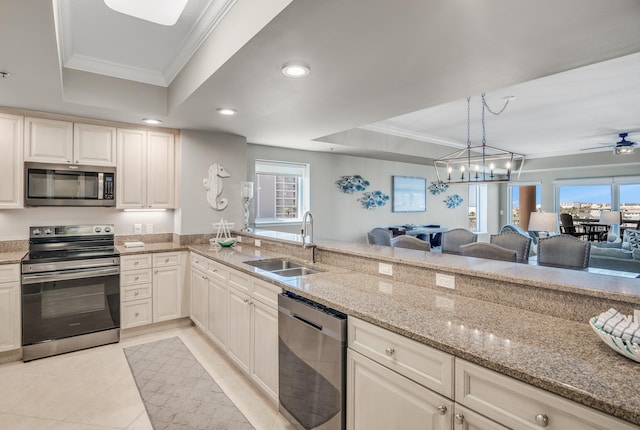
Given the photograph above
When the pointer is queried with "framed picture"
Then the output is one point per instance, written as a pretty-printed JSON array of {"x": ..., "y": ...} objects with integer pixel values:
[{"x": 409, "y": 194}]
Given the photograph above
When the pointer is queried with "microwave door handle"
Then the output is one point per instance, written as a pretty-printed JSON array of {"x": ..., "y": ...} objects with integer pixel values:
[
  {"x": 100, "y": 186},
  {"x": 76, "y": 274}
]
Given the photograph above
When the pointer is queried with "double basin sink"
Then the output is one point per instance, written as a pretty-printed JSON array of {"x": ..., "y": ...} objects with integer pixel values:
[{"x": 282, "y": 267}]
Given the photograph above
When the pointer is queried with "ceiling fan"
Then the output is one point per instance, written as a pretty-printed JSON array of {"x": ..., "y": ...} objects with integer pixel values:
[{"x": 624, "y": 146}]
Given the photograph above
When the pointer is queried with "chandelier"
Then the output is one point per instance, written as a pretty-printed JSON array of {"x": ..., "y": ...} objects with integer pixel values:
[{"x": 479, "y": 164}]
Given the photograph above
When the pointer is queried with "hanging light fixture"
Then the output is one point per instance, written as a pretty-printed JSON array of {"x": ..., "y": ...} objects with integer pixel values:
[{"x": 479, "y": 164}]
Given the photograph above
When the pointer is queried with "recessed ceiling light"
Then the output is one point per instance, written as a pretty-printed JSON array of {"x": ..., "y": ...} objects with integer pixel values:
[
  {"x": 294, "y": 70},
  {"x": 152, "y": 121},
  {"x": 163, "y": 12},
  {"x": 227, "y": 111}
]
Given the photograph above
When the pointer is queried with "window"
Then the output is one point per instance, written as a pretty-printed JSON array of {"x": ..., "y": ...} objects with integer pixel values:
[
  {"x": 630, "y": 204},
  {"x": 584, "y": 201},
  {"x": 478, "y": 208},
  {"x": 282, "y": 191}
]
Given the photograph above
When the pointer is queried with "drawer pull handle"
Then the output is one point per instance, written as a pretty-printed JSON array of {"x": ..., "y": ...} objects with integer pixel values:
[
  {"x": 137, "y": 314},
  {"x": 136, "y": 278},
  {"x": 542, "y": 420},
  {"x": 390, "y": 351},
  {"x": 136, "y": 293},
  {"x": 441, "y": 409},
  {"x": 166, "y": 260},
  {"x": 135, "y": 263},
  {"x": 246, "y": 300},
  {"x": 214, "y": 270},
  {"x": 458, "y": 418}
]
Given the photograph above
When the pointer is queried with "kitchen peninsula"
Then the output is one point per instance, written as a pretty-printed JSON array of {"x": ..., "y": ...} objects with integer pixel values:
[{"x": 526, "y": 322}]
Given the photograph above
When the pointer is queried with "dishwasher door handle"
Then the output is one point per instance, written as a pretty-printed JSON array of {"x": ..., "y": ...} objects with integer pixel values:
[{"x": 301, "y": 319}]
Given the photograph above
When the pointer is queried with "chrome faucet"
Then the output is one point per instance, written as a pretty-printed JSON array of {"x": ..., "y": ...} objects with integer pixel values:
[{"x": 306, "y": 215}]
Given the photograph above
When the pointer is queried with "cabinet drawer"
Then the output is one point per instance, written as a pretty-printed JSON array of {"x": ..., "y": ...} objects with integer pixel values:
[
  {"x": 135, "y": 313},
  {"x": 199, "y": 262},
  {"x": 166, "y": 259},
  {"x": 516, "y": 404},
  {"x": 9, "y": 272},
  {"x": 138, "y": 261},
  {"x": 219, "y": 271},
  {"x": 135, "y": 292},
  {"x": 239, "y": 280},
  {"x": 135, "y": 277},
  {"x": 267, "y": 293},
  {"x": 418, "y": 362}
]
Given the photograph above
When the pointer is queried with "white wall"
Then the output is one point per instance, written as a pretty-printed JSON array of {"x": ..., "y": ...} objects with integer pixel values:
[
  {"x": 200, "y": 150},
  {"x": 340, "y": 216},
  {"x": 15, "y": 223}
]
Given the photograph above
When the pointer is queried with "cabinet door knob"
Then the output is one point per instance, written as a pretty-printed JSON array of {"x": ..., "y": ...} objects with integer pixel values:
[
  {"x": 166, "y": 260},
  {"x": 135, "y": 263},
  {"x": 441, "y": 409},
  {"x": 458, "y": 418},
  {"x": 136, "y": 278},
  {"x": 542, "y": 420},
  {"x": 137, "y": 313},
  {"x": 136, "y": 293},
  {"x": 246, "y": 300},
  {"x": 390, "y": 351},
  {"x": 155, "y": 271}
]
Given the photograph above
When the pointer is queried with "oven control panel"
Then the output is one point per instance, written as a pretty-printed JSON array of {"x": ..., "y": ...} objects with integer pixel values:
[{"x": 71, "y": 230}]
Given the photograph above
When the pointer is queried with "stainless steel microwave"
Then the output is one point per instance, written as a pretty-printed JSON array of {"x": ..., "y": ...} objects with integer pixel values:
[{"x": 69, "y": 185}]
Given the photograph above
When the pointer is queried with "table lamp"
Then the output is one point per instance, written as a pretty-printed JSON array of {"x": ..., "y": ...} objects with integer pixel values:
[{"x": 544, "y": 221}]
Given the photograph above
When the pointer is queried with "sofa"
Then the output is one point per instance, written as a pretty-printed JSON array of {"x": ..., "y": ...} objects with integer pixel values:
[{"x": 621, "y": 255}]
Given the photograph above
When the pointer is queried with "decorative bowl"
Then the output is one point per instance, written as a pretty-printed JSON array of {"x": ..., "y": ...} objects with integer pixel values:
[
  {"x": 628, "y": 349},
  {"x": 226, "y": 243}
]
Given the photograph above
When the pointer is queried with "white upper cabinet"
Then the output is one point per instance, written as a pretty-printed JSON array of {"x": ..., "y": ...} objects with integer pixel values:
[
  {"x": 94, "y": 144},
  {"x": 48, "y": 140},
  {"x": 63, "y": 142},
  {"x": 146, "y": 170},
  {"x": 11, "y": 169}
]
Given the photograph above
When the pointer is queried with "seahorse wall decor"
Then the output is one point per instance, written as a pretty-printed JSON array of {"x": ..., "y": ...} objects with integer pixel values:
[{"x": 213, "y": 184}]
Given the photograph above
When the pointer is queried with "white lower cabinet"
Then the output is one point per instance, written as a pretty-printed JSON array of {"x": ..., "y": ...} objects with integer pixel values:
[
  {"x": 518, "y": 405},
  {"x": 10, "y": 321},
  {"x": 239, "y": 341},
  {"x": 153, "y": 288},
  {"x": 241, "y": 318},
  {"x": 379, "y": 398}
]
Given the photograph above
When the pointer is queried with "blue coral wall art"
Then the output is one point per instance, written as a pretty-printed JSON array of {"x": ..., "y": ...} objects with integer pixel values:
[
  {"x": 453, "y": 201},
  {"x": 438, "y": 187},
  {"x": 351, "y": 184},
  {"x": 373, "y": 200}
]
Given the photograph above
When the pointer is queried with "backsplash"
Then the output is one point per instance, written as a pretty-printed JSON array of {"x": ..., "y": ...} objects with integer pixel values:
[{"x": 14, "y": 245}]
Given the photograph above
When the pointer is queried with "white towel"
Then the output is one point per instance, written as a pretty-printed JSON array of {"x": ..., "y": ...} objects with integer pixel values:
[
  {"x": 133, "y": 244},
  {"x": 616, "y": 324}
]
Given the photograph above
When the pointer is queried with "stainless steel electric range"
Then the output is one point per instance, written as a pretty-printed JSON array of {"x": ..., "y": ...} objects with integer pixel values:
[{"x": 70, "y": 290}]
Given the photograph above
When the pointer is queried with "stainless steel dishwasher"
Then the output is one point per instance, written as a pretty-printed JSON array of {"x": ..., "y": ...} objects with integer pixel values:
[{"x": 312, "y": 346}]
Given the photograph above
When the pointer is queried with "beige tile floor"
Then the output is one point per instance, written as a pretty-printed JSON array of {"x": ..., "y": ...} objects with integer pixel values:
[{"x": 93, "y": 389}]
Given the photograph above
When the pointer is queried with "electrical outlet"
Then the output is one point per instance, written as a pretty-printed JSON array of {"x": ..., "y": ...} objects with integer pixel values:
[
  {"x": 137, "y": 228},
  {"x": 385, "y": 269},
  {"x": 239, "y": 239},
  {"x": 446, "y": 281},
  {"x": 256, "y": 243},
  {"x": 149, "y": 228}
]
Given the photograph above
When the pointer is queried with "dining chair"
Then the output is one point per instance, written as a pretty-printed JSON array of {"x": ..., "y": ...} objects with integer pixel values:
[
  {"x": 568, "y": 227},
  {"x": 564, "y": 251},
  {"x": 410, "y": 242},
  {"x": 379, "y": 236},
  {"x": 488, "y": 250},
  {"x": 453, "y": 239},
  {"x": 515, "y": 241}
]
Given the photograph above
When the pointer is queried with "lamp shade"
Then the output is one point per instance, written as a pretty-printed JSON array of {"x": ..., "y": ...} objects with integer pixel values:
[
  {"x": 543, "y": 221},
  {"x": 610, "y": 217}
]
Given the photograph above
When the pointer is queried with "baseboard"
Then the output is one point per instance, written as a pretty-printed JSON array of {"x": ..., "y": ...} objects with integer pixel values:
[{"x": 155, "y": 327}]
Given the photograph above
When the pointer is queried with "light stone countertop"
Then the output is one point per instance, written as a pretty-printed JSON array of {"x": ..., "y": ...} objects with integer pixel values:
[
  {"x": 554, "y": 354},
  {"x": 11, "y": 257},
  {"x": 151, "y": 248}
]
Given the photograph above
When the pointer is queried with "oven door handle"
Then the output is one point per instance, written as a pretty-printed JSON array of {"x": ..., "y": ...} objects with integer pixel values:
[{"x": 65, "y": 276}]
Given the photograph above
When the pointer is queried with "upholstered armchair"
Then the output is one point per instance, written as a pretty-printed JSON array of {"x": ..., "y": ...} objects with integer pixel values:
[
  {"x": 488, "y": 250},
  {"x": 453, "y": 239},
  {"x": 379, "y": 236},
  {"x": 410, "y": 242},
  {"x": 564, "y": 251},
  {"x": 515, "y": 241}
]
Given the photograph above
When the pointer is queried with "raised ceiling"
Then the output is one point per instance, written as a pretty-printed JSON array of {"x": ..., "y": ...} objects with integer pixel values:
[{"x": 386, "y": 81}]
